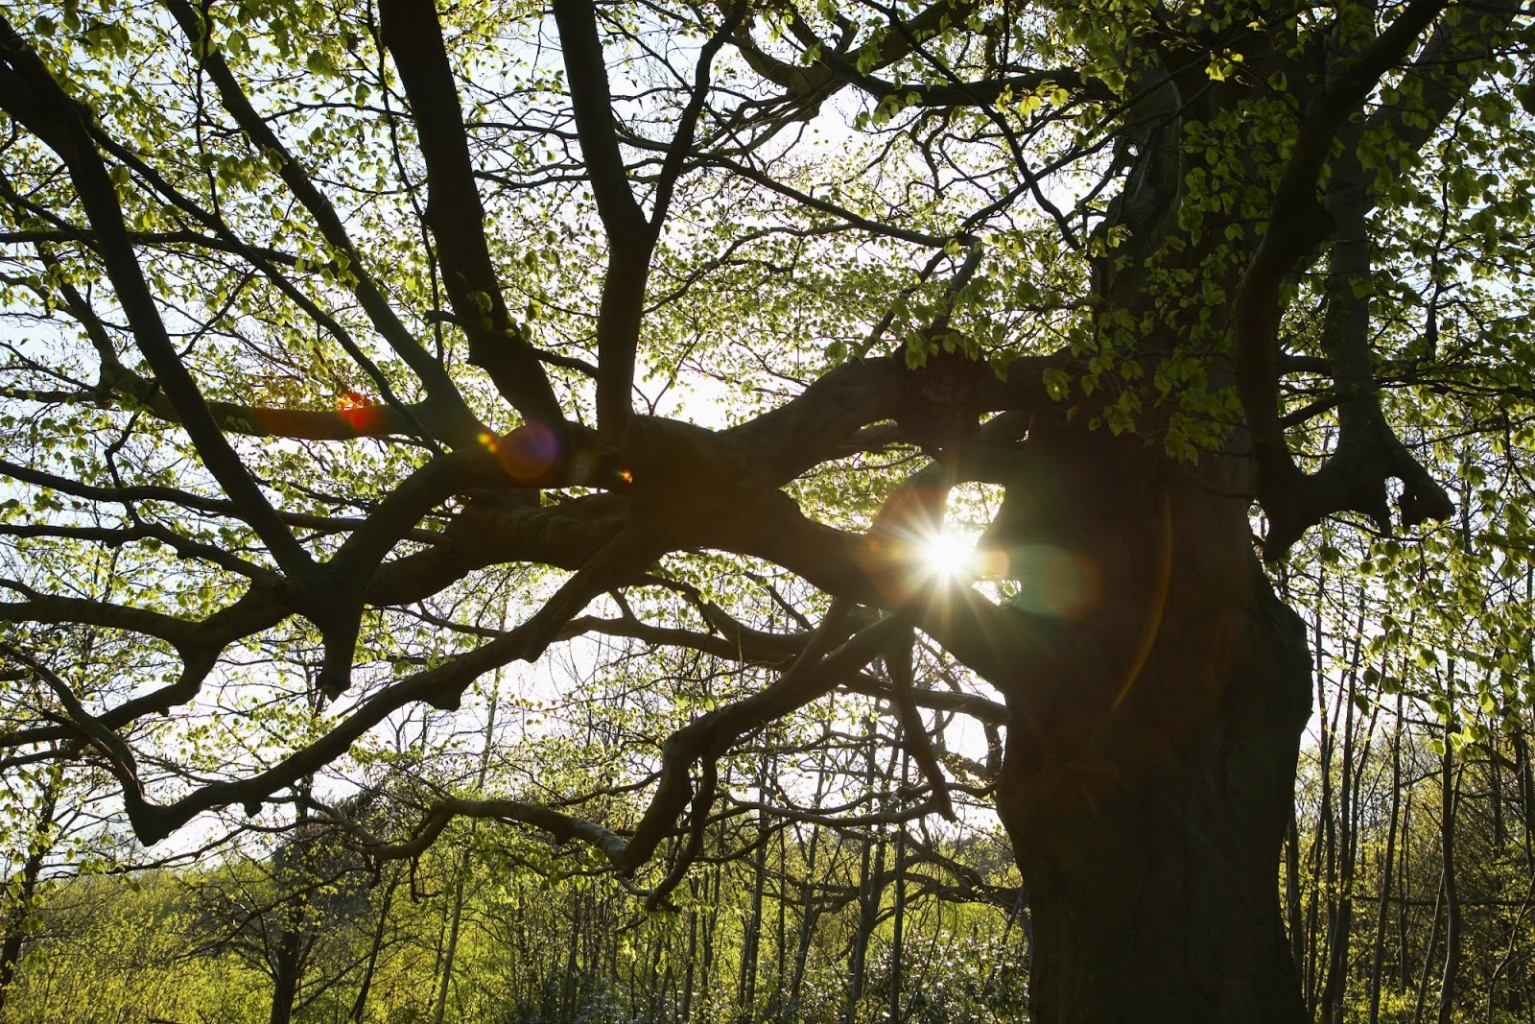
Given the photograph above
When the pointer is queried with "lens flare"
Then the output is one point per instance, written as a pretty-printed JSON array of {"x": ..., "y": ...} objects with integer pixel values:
[
  {"x": 528, "y": 452},
  {"x": 1050, "y": 580},
  {"x": 360, "y": 413}
]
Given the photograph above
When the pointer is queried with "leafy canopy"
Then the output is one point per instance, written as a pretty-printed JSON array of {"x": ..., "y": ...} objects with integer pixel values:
[{"x": 352, "y": 352}]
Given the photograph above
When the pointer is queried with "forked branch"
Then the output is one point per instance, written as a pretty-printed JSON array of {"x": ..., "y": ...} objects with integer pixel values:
[{"x": 1354, "y": 480}]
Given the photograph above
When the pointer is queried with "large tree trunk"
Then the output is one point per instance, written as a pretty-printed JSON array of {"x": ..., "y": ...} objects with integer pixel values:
[
  {"x": 1161, "y": 902},
  {"x": 1149, "y": 772}
]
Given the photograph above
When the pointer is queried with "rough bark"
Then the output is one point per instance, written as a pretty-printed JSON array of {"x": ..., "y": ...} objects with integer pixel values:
[
  {"x": 1147, "y": 784},
  {"x": 1158, "y": 903}
]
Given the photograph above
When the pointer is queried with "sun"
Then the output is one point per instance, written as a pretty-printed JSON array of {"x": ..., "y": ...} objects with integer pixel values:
[{"x": 948, "y": 555}]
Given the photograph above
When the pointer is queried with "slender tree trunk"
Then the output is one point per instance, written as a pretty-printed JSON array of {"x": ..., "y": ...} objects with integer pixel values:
[
  {"x": 747, "y": 986},
  {"x": 1403, "y": 916},
  {"x": 361, "y": 1002},
  {"x": 1526, "y": 794},
  {"x": 1452, "y": 916},
  {"x": 450, "y": 947},
  {"x": 450, "y": 951},
  {"x": 1495, "y": 795},
  {"x": 1514, "y": 933},
  {"x": 569, "y": 987},
  {"x": 1428, "y": 954},
  {"x": 17, "y": 916},
  {"x": 780, "y": 939},
  {"x": 710, "y": 928},
  {"x": 1377, "y": 962},
  {"x": 287, "y": 959},
  {"x": 664, "y": 994},
  {"x": 898, "y": 919},
  {"x": 687, "y": 977},
  {"x": 807, "y": 923},
  {"x": 808, "y": 911},
  {"x": 1324, "y": 842},
  {"x": 870, "y": 893},
  {"x": 1341, "y": 930},
  {"x": 285, "y": 975},
  {"x": 605, "y": 928}
]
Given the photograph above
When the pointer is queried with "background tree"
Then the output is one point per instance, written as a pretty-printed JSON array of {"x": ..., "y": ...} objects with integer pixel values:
[
  {"x": 290, "y": 915},
  {"x": 322, "y": 339}
]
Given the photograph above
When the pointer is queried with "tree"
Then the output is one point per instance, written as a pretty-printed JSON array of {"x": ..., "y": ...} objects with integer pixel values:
[
  {"x": 328, "y": 322},
  {"x": 288, "y": 916}
]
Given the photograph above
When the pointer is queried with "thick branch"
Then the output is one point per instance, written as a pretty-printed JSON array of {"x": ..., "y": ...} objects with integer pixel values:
[
  {"x": 631, "y": 239},
  {"x": 748, "y": 646},
  {"x": 1293, "y": 500},
  {"x": 119, "y": 757},
  {"x": 1446, "y": 68},
  {"x": 496, "y": 343},
  {"x": 562, "y": 827},
  {"x": 970, "y": 704},
  {"x": 442, "y": 686},
  {"x": 253, "y": 420},
  {"x": 339, "y": 612},
  {"x": 813, "y": 675},
  {"x": 898, "y": 662}
]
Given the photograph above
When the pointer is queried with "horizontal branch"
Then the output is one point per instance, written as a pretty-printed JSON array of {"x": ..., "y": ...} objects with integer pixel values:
[
  {"x": 442, "y": 686},
  {"x": 562, "y": 827}
]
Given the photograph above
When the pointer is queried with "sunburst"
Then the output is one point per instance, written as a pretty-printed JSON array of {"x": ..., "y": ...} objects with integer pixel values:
[{"x": 948, "y": 556}]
